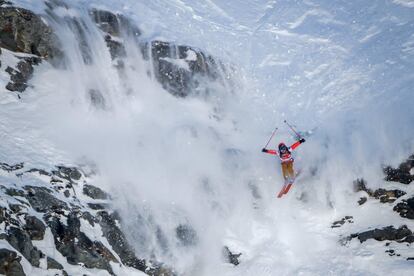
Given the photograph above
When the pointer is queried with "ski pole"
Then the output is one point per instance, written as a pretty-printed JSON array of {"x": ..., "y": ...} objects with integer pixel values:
[
  {"x": 297, "y": 134},
  {"x": 273, "y": 134}
]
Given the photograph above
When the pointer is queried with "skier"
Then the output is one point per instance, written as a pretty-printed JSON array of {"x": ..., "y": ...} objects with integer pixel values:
[{"x": 286, "y": 159}]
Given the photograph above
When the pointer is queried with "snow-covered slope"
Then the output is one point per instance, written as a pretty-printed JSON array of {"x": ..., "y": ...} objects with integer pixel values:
[{"x": 342, "y": 70}]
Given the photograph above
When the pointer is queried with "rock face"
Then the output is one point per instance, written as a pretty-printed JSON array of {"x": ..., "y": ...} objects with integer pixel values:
[
  {"x": 35, "y": 228},
  {"x": 402, "y": 173},
  {"x": 118, "y": 241},
  {"x": 405, "y": 208},
  {"x": 339, "y": 223},
  {"x": 10, "y": 263},
  {"x": 23, "y": 31},
  {"x": 181, "y": 69},
  {"x": 231, "y": 257},
  {"x": 402, "y": 234},
  {"x": 65, "y": 216},
  {"x": 21, "y": 241},
  {"x": 20, "y": 76},
  {"x": 77, "y": 247},
  {"x": 94, "y": 192},
  {"x": 385, "y": 196}
]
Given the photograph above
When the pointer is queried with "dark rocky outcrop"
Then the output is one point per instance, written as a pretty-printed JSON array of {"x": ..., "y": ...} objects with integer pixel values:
[
  {"x": 118, "y": 241},
  {"x": 231, "y": 257},
  {"x": 181, "y": 69},
  {"x": 69, "y": 173},
  {"x": 362, "y": 200},
  {"x": 186, "y": 235},
  {"x": 53, "y": 264},
  {"x": 405, "y": 208},
  {"x": 21, "y": 241},
  {"x": 35, "y": 228},
  {"x": 385, "y": 196},
  {"x": 342, "y": 221},
  {"x": 402, "y": 173},
  {"x": 94, "y": 192},
  {"x": 77, "y": 247},
  {"x": 10, "y": 263},
  {"x": 23, "y": 31},
  {"x": 64, "y": 218},
  {"x": 42, "y": 200},
  {"x": 20, "y": 76},
  {"x": 402, "y": 234},
  {"x": 115, "y": 25},
  {"x": 9, "y": 168}
]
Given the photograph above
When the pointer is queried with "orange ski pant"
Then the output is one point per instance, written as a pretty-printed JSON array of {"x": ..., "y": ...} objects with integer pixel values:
[{"x": 287, "y": 170}]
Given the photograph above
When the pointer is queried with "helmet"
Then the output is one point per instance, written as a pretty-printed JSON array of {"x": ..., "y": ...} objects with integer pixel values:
[{"x": 283, "y": 148}]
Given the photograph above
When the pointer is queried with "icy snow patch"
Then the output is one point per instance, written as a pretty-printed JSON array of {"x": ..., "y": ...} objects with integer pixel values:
[
  {"x": 191, "y": 55},
  {"x": 405, "y": 3},
  {"x": 180, "y": 63}
]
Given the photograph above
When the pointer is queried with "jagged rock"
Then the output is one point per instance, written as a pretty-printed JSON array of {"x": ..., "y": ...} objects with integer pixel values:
[
  {"x": 388, "y": 196},
  {"x": 113, "y": 24},
  {"x": 402, "y": 173},
  {"x": 6, "y": 217},
  {"x": 118, "y": 241},
  {"x": 386, "y": 233},
  {"x": 405, "y": 208},
  {"x": 9, "y": 168},
  {"x": 106, "y": 21},
  {"x": 94, "y": 192},
  {"x": 91, "y": 219},
  {"x": 53, "y": 264},
  {"x": 69, "y": 173},
  {"x": 77, "y": 247},
  {"x": 97, "y": 206},
  {"x": 385, "y": 196},
  {"x": 23, "y": 31},
  {"x": 409, "y": 239},
  {"x": 13, "y": 192},
  {"x": 21, "y": 241},
  {"x": 42, "y": 200},
  {"x": 231, "y": 257},
  {"x": 341, "y": 222},
  {"x": 116, "y": 48},
  {"x": 97, "y": 99},
  {"x": 2, "y": 214},
  {"x": 16, "y": 208},
  {"x": 35, "y": 228},
  {"x": 186, "y": 235},
  {"x": 40, "y": 171},
  {"x": 10, "y": 263},
  {"x": 180, "y": 68},
  {"x": 362, "y": 200},
  {"x": 20, "y": 76}
]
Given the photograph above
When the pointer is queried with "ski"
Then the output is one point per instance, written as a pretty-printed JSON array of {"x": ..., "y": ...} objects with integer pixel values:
[
  {"x": 287, "y": 186},
  {"x": 282, "y": 191}
]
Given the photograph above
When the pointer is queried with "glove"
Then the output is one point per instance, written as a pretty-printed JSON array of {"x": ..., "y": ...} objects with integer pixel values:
[
  {"x": 302, "y": 140},
  {"x": 264, "y": 150}
]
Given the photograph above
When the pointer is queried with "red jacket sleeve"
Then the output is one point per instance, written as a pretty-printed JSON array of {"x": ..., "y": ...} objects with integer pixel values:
[
  {"x": 274, "y": 152},
  {"x": 295, "y": 145}
]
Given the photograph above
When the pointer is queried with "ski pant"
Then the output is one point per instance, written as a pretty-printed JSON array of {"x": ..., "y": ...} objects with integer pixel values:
[{"x": 287, "y": 170}]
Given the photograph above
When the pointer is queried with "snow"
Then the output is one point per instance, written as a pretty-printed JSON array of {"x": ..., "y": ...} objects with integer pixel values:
[
  {"x": 405, "y": 3},
  {"x": 166, "y": 162}
]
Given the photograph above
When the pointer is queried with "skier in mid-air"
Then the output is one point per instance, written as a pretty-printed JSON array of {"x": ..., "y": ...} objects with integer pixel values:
[{"x": 285, "y": 156}]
